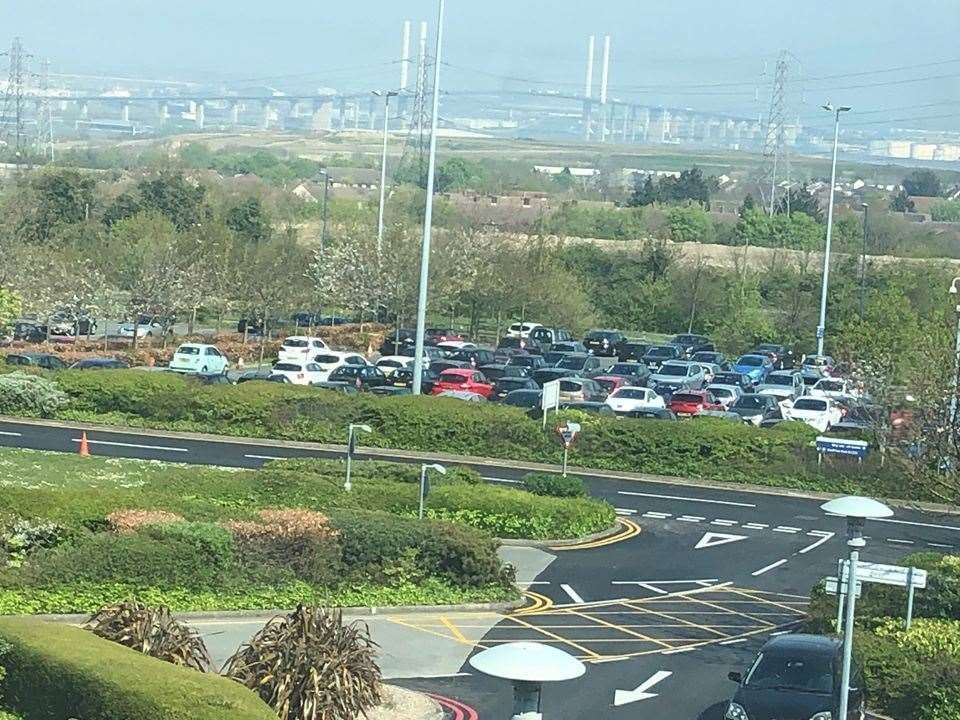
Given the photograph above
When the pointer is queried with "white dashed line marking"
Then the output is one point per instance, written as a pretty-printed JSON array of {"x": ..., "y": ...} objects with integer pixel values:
[
  {"x": 769, "y": 567},
  {"x": 755, "y": 526},
  {"x": 690, "y": 518},
  {"x": 11, "y": 434},
  {"x": 503, "y": 480},
  {"x": 687, "y": 499},
  {"x": 625, "y": 511},
  {"x": 264, "y": 457},
  {"x": 724, "y": 523},
  {"x": 734, "y": 641},
  {"x": 786, "y": 529},
  {"x": 940, "y": 545},
  {"x": 572, "y": 594},
  {"x": 133, "y": 445},
  {"x": 900, "y": 542},
  {"x": 657, "y": 515}
]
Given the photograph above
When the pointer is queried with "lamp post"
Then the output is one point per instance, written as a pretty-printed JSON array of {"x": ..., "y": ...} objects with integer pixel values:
[
  {"x": 424, "y": 485},
  {"x": 956, "y": 360},
  {"x": 863, "y": 257},
  {"x": 326, "y": 192},
  {"x": 822, "y": 327},
  {"x": 857, "y": 510},
  {"x": 351, "y": 448},
  {"x": 428, "y": 212},
  {"x": 383, "y": 163}
]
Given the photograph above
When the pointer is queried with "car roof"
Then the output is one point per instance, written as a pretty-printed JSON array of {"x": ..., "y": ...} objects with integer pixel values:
[
  {"x": 804, "y": 642},
  {"x": 302, "y": 337},
  {"x": 783, "y": 373}
]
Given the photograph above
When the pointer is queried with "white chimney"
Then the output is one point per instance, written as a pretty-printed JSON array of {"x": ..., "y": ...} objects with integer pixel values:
[
  {"x": 405, "y": 56},
  {"x": 591, "y": 51},
  {"x": 605, "y": 73}
]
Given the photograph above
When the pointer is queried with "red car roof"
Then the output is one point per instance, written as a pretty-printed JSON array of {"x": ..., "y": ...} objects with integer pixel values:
[{"x": 458, "y": 372}]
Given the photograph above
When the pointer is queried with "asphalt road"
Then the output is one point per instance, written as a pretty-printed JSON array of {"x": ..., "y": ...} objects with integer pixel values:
[{"x": 710, "y": 575}]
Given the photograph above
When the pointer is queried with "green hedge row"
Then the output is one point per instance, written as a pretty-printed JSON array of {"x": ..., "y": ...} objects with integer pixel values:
[
  {"x": 56, "y": 672},
  {"x": 706, "y": 448}
]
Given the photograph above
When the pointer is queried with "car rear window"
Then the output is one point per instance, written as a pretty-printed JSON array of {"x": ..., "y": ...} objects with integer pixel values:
[
  {"x": 452, "y": 377},
  {"x": 288, "y": 343},
  {"x": 570, "y": 386},
  {"x": 186, "y": 350},
  {"x": 389, "y": 363},
  {"x": 673, "y": 370},
  {"x": 809, "y": 404},
  {"x": 750, "y": 361},
  {"x": 661, "y": 352},
  {"x": 326, "y": 359},
  {"x": 687, "y": 398},
  {"x": 288, "y": 367}
]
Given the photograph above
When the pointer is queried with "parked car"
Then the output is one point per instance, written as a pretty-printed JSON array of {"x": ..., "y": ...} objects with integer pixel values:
[
  {"x": 629, "y": 399},
  {"x": 632, "y": 351},
  {"x": 332, "y": 320},
  {"x": 495, "y": 371},
  {"x": 709, "y": 356},
  {"x": 558, "y": 350},
  {"x": 403, "y": 378},
  {"x": 609, "y": 383},
  {"x": 391, "y": 362},
  {"x": 545, "y": 375},
  {"x": 301, "y": 372},
  {"x": 677, "y": 376},
  {"x": 71, "y": 324},
  {"x": 583, "y": 365},
  {"x": 819, "y": 413},
  {"x": 344, "y": 388},
  {"x": 305, "y": 319},
  {"x": 451, "y": 347},
  {"x": 210, "y": 378},
  {"x": 594, "y": 408},
  {"x": 823, "y": 363},
  {"x": 100, "y": 364},
  {"x": 522, "y": 329},
  {"x": 755, "y": 409},
  {"x": 506, "y": 385},
  {"x": 755, "y": 367},
  {"x": 690, "y": 344},
  {"x": 657, "y": 355},
  {"x": 783, "y": 385},
  {"x": 330, "y": 360},
  {"x": 466, "y": 395},
  {"x": 475, "y": 356},
  {"x": 639, "y": 372},
  {"x": 430, "y": 353},
  {"x": 527, "y": 399},
  {"x": 390, "y": 390},
  {"x": 734, "y": 378},
  {"x": 198, "y": 358},
  {"x": 604, "y": 342},
  {"x": 41, "y": 360},
  {"x": 688, "y": 404},
  {"x": 797, "y": 676},
  {"x": 443, "y": 365},
  {"x": 577, "y": 389},
  {"x": 300, "y": 347},
  {"x": 264, "y": 375},
  {"x": 811, "y": 375},
  {"x": 780, "y": 355},
  {"x": 146, "y": 326},
  {"x": 835, "y": 389},
  {"x": 710, "y": 371},
  {"x": 434, "y": 336},
  {"x": 530, "y": 362},
  {"x": 726, "y": 395},
  {"x": 29, "y": 331},
  {"x": 650, "y": 414},
  {"x": 547, "y": 337},
  {"x": 363, "y": 377},
  {"x": 463, "y": 380},
  {"x": 397, "y": 340}
]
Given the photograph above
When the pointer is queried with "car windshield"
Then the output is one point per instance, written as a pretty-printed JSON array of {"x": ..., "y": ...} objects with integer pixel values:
[
  {"x": 327, "y": 359},
  {"x": 687, "y": 398},
  {"x": 288, "y": 367},
  {"x": 721, "y": 392},
  {"x": 779, "y": 380},
  {"x": 661, "y": 351},
  {"x": 452, "y": 377},
  {"x": 390, "y": 363},
  {"x": 523, "y": 360},
  {"x": 810, "y": 404},
  {"x": 830, "y": 385},
  {"x": 624, "y": 369},
  {"x": 522, "y": 398},
  {"x": 815, "y": 361},
  {"x": 573, "y": 363},
  {"x": 727, "y": 379},
  {"x": 673, "y": 370},
  {"x": 769, "y": 348},
  {"x": 805, "y": 672},
  {"x": 631, "y": 393},
  {"x": 187, "y": 350},
  {"x": 291, "y": 343},
  {"x": 750, "y": 361},
  {"x": 347, "y": 371},
  {"x": 751, "y": 402},
  {"x": 570, "y": 386}
]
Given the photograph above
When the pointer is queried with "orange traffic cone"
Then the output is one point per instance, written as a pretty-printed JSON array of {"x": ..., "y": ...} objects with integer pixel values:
[{"x": 84, "y": 446}]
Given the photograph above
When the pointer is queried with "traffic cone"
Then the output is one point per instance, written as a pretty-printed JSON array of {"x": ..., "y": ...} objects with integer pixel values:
[{"x": 84, "y": 446}]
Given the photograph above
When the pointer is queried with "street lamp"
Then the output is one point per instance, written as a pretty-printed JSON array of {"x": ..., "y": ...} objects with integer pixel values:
[
  {"x": 383, "y": 163},
  {"x": 424, "y": 485},
  {"x": 527, "y": 665},
  {"x": 428, "y": 211},
  {"x": 351, "y": 448},
  {"x": 857, "y": 510},
  {"x": 326, "y": 192},
  {"x": 822, "y": 327},
  {"x": 956, "y": 360},
  {"x": 863, "y": 257}
]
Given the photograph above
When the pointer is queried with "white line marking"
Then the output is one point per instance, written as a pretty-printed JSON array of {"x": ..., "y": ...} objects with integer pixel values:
[
  {"x": 572, "y": 594},
  {"x": 502, "y": 480},
  {"x": 769, "y": 567},
  {"x": 783, "y": 529},
  {"x": 900, "y": 542},
  {"x": 133, "y": 445},
  {"x": 815, "y": 545},
  {"x": 677, "y": 650},
  {"x": 779, "y": 632},
  {"x": 625, "y": 511},
  {"x": 691, "y": 518},
  {"x": 265, "y": 457},
  {"x": 939, "y": 545},
  {"x": 657, "y": 515},
  {"x": 916, "y": 524},
  {"x": 447, "y": 675},
  {"x": 11, "y": 434},
  {"x": 820, "y": 533},
  {"x": 725, "y": 523},
  {"x": 652, "y": 588},
  {"x": 734, "y": 641},
  {"x": 708, "y": 581},
  {"x": 712, "y": 539},
  {"x": 533, "y": 582},
  {"x": 687, "y": 499},
  {"x": 755, "y": 526}
]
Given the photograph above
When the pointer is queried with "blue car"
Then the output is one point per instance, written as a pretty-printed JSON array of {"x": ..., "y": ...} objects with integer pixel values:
[{"x": 754, "y": 367}]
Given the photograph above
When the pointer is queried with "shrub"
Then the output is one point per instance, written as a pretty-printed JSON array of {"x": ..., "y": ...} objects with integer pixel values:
[
  {"x": 26, "y": 394},
  {"x": 310, "y": 666},
  {"x": 554, "y": 485},
  {"x": 151, "y": 631},
  {"x": 128, "y": 521},
  {"x": 26, "y": 536},
  {"x": 57, "y": 671}
]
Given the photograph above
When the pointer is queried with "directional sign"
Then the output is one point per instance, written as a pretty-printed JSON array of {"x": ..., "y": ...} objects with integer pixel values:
[
  {"x": 842, "y": 446},
  {"x": 887, "y": 574},
  {"x": 625, "y": 697},
  {"x": 832, "y": 586},
  {"x": 568, "y": 432},
  {"x": 712, "y": 539}
]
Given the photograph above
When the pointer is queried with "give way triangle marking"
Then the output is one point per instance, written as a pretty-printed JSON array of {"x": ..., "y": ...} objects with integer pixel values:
[{"x": 712, "y": 539}]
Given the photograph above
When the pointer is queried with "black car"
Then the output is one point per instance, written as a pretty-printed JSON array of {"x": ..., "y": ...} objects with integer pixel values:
[
  {"x": 780, "y": 355},
  {"x": 553, "y": 357},
  {"x": 506, "y": 385},
  {"x": 650, "y": 414},
  {"x": 528, "y": 400},
  {"x": 265, "y": 375},
  {"x": 604, "y": 342},
  {"x": 397, "y": 341},
  {"x": 29, "y": 331},
  {"x": 755, "y": 408},
  {"x": 709, "y": 356},
  {"x": 345, "y": 388},
  {"x": 632, "y": 350},
  {"x": 41, "y": 360},
  {"x": 594, "y": 408},
  {"x": 100, "y": 364},
  {"x": 690, "y": 344},
  {"x": 531, "y": 362},
  {"x": 440, "y": 365},
  {"x": 70, "y": 324},
  {"x": 528, "y": 345},
  {"x": 495, "y": 371},
  {"x": 545, "y": 375},
  {"x": 475, "y": 356},
  {"x": 363, "y": 377},
  {"x": 390, "y": 390},
  {"x": 547, "y": 336},
  {"x": 637, "y": 372},
  {"x": 568, "y": 346},
  {"x": 331, "y": 320},
  {"x": 657, "y": 355},
  {"x": 733, "y": 378},
  {"x": 209, "y": 378},
  {"x": 583, "y": 365},
  {"x": 305, "y": 319},
  {"x": 403, "y": 378},
  {"x": 796, "y": 676}
]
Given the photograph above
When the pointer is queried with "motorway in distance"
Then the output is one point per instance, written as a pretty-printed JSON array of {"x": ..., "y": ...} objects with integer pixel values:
[{"x": 688, "y": 590}]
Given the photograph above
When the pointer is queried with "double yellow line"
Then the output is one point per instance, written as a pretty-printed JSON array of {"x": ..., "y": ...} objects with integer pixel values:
[
  {"x": 541, "y": 603},
  {"x": 629, "y": 529}
]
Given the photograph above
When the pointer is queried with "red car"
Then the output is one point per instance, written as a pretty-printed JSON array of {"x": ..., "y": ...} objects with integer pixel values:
[
  {"x": 463, "y": 379},
  {"x": 686, "y": 404},
  {"x": 614, "y": 382}
]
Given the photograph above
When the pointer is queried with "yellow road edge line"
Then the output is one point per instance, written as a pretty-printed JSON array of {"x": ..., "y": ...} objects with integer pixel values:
[
  {"x": 454, "y": 629},
  {"x": 630, "y": 530}
]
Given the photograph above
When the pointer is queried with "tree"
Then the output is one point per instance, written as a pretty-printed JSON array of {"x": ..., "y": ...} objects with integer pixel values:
[
  {"x": 689, "y": 223},
  {"x": 644, "y": 192},
  {"x": 168, "y": 194},
  {"x": 747, "y": 205},
  {"x": 348, "y": 273},
  {"x": 55, "y": 198},
  {"x": 457, "y": 174},
  {"x": 800, "y": 200},
  {"x": 902, "y": 203},
  {"x": 923, "y": 183},
  {"x": 690, "y": 185},
  {"x": 10, "y": 307},
  {"x": 249, "y": 220}
]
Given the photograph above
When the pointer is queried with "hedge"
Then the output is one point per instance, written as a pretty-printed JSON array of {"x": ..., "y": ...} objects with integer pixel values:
[
  {"x": 554, "y": 485},
  {"x": 55, "y": 672},
  {"x": 709, "y": 448}
]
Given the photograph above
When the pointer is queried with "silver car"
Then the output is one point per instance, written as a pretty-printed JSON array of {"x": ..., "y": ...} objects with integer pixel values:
[
  {"x": 783, "y": 385},
  {"x": 726, "y": 395},
  {"x": 674, "y": 376}
]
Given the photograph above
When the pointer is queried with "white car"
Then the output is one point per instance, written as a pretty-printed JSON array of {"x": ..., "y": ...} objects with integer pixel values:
[
  {"x": 298, "y": 373},
  {"x": 197, "y": 358},
  {"x": 393, "y": 362},
  {"x": 627, "y": 399},
  {"x": 448, "y": 347},
  {"x": 522, "y": 330},
  {"x": 834, "y": 388},
  {"x": 299, "y": 348},
  {"x": 330, "y": 360},
  {"x": 144, "y": 326},
  {"x": 726, "y": 395},
  {"x": 817, "y": 412}
]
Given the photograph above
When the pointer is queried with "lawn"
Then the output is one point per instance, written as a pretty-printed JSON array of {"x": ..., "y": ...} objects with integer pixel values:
[{"x": 35, "y": 469}]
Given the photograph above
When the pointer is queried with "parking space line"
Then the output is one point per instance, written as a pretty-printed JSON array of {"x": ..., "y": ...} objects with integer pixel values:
[
  {"x": 454, "y": 629},
  {"x": 572, "y": 594},
  {"x": 686, "y": 499},
  {"x": 769, "y": 567}
]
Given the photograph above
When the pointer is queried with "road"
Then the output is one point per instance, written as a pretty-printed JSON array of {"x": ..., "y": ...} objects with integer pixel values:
[{"x": 697, "y": 580}]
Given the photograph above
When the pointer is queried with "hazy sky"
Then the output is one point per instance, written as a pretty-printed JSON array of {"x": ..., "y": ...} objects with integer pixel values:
[{"x": 698, "y": 53}]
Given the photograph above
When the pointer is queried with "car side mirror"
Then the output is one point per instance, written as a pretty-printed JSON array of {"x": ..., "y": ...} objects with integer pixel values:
[{"x": 735, "y": 677}]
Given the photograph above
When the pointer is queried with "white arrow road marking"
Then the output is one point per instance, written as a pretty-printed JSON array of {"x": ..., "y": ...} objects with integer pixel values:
[
  {"x": 712, "y": 539},
  {"x": 625, "y": 697}
]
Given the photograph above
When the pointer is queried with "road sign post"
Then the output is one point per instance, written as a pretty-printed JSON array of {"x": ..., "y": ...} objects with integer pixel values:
[
  {"x": 841, "y": 446},
  {"x": 425, "y": 483},
  {"x": 909, "y": 598},
  {"x": 550, "y": 399},
  {"x": 568, "y": 434},
  {"x": 910, "y": 578},
  {"x": 351, "y": 448}
]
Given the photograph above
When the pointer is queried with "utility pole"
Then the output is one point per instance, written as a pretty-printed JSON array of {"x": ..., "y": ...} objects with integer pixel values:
[
  {"x": 776, "y": 152},
  {"x": 383, "y": 166},
  {"x": 428, "y": 212},
  {"x": 863, "y": 258},
  {"x": 44, "y": 140},
  {"x": 13, "y": 102}
]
